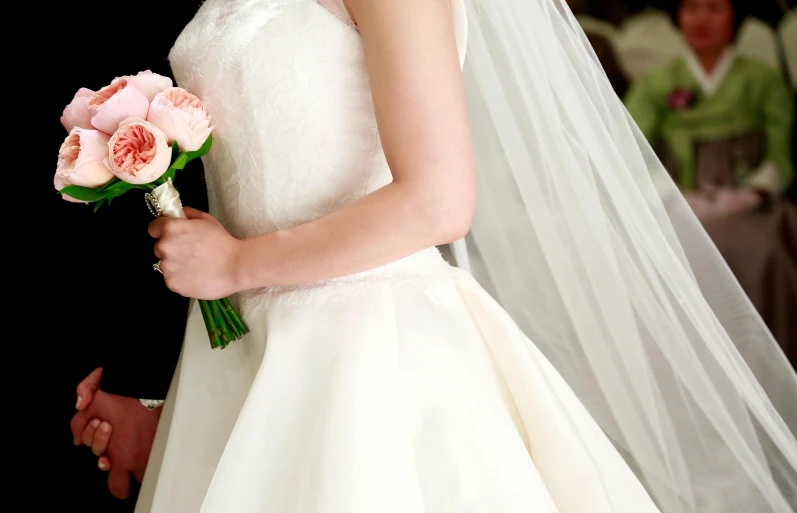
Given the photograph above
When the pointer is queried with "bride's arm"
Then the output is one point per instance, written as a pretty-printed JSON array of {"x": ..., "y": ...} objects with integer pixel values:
[
  {"x": 419, "y": 101},
  {"x": 420, "y": 107}
]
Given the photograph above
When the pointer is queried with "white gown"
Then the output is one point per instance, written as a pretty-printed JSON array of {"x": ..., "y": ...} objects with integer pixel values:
[{"x": 405, "y": 389}]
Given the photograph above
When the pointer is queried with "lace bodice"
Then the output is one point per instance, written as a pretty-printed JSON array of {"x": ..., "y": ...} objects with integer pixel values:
[{"x": 286, "y": 85}]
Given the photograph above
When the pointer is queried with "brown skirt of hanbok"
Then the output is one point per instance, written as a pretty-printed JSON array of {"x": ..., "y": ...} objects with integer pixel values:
[{"x": 760, "y": 247}]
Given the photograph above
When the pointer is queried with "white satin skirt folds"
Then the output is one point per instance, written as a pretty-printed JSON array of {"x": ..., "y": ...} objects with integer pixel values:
[{"x": 402, "y": 390}]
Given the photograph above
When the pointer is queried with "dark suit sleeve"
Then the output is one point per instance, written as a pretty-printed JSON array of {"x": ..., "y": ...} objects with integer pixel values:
[{"x": 144, "y": 331}]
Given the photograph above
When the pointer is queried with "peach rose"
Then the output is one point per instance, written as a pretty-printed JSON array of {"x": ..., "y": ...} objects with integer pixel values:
[
  {"x": 60, "y": 184},
  {"x": 114, "y": 103},
  {"x": 139, "y": 152},
  {"x": 149, "y": 83},
  {"x": 76, "y": 114},
  {"x": 83, "y": 160},
  {"x": 182, "y": 117}
]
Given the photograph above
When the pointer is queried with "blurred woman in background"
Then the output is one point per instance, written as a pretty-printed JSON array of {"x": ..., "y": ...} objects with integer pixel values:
[{"x": 721, "y": 124}]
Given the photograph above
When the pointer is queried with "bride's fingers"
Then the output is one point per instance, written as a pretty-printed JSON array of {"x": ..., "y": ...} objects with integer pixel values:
[
  {"x": 192, "y": 213},
  {"x": 88, "y": 434},
  {"x": 101, "y": 438},
  {"x": 155, "y": 228},
  {"x": 157, "y": 251}
]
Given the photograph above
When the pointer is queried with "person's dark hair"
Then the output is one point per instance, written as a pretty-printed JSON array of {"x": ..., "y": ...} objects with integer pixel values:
[
  {"x": 740, "y": 13},
  {"x": 613, "y": 11}
]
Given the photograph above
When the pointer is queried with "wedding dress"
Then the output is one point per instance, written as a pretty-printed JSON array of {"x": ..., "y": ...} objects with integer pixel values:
[
  {"x": 401, "y": 389},
  {"x": 407, "y": 389}
]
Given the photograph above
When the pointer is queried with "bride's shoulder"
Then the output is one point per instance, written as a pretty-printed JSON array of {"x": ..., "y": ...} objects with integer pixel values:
[
  {"x": 341, "y": 9},
  {"x": 459, "y": 19}
]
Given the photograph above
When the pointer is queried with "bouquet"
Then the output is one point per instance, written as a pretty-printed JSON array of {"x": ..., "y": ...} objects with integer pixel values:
[{"x": 135, "y": 134}]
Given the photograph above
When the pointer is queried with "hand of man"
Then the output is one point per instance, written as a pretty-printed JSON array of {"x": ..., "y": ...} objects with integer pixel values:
[{"x": 132, "y": 425}]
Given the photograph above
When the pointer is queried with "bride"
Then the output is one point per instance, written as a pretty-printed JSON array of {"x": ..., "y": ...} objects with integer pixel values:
[{"x": 377, "y": 378}]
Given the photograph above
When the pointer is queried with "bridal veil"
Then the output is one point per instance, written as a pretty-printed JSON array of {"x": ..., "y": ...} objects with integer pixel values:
[{"x": 585, "y": 240}]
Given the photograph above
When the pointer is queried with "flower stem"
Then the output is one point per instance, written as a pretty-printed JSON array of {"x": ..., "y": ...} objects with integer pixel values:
[
  {"x": 218, "y": 318},
  {"x": 222, "y": 322},
  {"x": 228, "y": 320},
  {"x": 235, "y": 317},
  {"x": 210, "y": 324},
  {"x": 204, "y": 315}
]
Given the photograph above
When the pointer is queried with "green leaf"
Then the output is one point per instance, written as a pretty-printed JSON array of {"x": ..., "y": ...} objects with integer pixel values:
[
  {"x": 84, "y": 193},
  {"x": 113, "y": 183},
  {"x": 181, "y": 158},
  {"x": 116, "y": 193},
  {"x": 101, "y": 195},
  {"x": 119, "y": 188},
  {"x": 180, "y": 161},
  {"x": 170, "y": 173}
]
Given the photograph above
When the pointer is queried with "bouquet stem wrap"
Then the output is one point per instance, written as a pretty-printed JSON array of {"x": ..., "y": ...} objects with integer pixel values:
[{"x": 223, "y": 323}]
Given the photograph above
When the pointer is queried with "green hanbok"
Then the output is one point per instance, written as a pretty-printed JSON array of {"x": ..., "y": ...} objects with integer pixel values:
[{"x": 732, "y": 128}]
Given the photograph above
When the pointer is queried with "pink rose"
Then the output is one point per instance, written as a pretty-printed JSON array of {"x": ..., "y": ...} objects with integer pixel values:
[
  {"x": 148, "y": 83},
  {"x": 76, "y": 114},
  {"x": 114, "y": 103},
  {"x": 60, "y": 184},
  {"x": 182, "y": 117},
  {"x": 139, "y": 152},
  {"x": 83, "y": 160}
]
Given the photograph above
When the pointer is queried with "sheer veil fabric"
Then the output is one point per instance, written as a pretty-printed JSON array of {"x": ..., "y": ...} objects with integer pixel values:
[{"x": 584, "y": 239}]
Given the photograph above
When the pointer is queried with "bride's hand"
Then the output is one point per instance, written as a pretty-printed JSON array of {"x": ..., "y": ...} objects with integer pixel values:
[{"x": 198, "y": 256}]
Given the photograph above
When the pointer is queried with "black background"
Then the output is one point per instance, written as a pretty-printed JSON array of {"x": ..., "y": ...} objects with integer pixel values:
[{"x": 95, "y": 292}]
